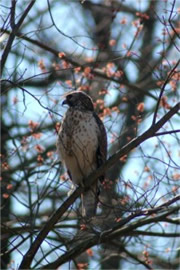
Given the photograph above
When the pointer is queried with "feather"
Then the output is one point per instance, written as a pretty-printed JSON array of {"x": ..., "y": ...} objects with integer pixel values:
[{"x": 82, "y": 144}]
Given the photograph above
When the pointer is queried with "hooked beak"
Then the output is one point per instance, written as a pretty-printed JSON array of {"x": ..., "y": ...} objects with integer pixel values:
[{"x": 64, "y": 102}]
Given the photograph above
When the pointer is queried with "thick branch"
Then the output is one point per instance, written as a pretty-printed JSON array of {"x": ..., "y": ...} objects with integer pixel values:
[
  {"x": 14, "y": 31},
  {"x": 26, "y": 262},
  {"x": 111, "y": 234}
]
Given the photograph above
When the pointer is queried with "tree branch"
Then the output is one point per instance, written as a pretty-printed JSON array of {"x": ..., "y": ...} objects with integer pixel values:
[
  {"x": 27, "y": 259},
  {"x": 162, "y": 90},
  {"x": 95, "y": 71},
  {"x": 134, "y": 257},
  {"x": 123, "y": 229},
  {"x": 15, "y": 28},
  {"x": 139, "y": 232}
]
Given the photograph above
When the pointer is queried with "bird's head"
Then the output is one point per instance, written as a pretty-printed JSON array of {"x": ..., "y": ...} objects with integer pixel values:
[{"x": 79, "y": 100}]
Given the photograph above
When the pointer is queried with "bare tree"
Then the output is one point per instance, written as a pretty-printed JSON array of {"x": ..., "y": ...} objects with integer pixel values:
[{"x": 125, "y": 55}]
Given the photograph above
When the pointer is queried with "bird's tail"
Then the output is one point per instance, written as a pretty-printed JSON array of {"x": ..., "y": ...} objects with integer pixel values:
[{"x": 89, "y": 202}]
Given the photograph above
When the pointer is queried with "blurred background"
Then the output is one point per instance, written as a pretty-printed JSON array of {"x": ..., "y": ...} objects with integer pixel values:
[{"x": 120, "y": 53}]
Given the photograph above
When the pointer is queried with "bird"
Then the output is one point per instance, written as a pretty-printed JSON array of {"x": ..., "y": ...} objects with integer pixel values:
[{"x": 82, "y": 146}]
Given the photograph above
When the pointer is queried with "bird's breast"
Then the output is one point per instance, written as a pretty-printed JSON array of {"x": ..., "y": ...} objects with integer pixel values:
[{"x": 78, "y": 142}]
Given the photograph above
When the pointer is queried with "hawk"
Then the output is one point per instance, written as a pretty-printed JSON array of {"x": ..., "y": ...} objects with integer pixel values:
[{"x": 82, "y": 145}]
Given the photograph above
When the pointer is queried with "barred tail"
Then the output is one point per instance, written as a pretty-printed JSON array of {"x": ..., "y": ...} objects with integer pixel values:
[{"x": 89, "y": 202}]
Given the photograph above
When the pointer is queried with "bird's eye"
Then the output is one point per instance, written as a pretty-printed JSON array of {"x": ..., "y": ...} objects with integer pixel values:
[{"x": 69, "y": 96}]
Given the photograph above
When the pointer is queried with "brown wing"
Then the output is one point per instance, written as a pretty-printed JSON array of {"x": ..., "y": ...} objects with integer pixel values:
[{"x": 101, "y": 153}]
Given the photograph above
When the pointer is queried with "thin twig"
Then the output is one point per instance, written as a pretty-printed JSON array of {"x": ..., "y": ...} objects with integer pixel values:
[
  {"x": 162, "y": 91},
  {"x": 28, "y": 257},
  {"x": 14, "y": 31}
]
